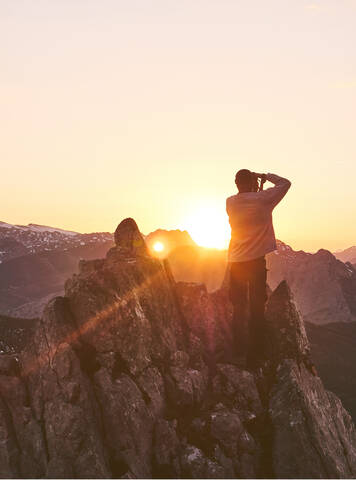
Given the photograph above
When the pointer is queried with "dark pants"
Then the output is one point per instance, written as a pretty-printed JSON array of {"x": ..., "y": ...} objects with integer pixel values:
[{"x": 248, "y": 295}]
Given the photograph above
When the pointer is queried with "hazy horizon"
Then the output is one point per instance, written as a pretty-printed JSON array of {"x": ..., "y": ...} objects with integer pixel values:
[
  {"x": 119, "y": 109},
  {"x": 163, "y": 228}
]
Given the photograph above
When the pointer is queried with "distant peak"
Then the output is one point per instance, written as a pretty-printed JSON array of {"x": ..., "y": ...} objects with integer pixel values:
[
  {"x": 324, "y": 252},
  {"x": 34, "y": 227},
  {"x": 46, "y": 228}
]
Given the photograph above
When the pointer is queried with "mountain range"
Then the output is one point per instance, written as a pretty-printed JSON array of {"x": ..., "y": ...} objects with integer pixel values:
[
  {"x": 347, "y": 255},
  {"x": 323, "y": 286},
  {"x": 131, "y": 374},
  {"x": 19, "y": 240},
  {"x": 37, "y": 259}
]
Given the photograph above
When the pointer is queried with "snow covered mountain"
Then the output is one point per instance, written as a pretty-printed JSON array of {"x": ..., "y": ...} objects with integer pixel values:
[
  {"x": 35, "y": 261},
  {"x": 19, "y": 240}
]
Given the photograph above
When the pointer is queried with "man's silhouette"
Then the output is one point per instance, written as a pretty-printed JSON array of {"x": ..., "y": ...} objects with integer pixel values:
[{"x": 252, "y": 236}]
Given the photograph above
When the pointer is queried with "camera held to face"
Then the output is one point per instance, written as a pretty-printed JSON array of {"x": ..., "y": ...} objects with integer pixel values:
[{"x": 256, "y": 185}]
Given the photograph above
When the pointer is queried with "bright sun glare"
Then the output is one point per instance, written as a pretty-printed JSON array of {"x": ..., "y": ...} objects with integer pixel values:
[
  {"x": 158, "y": 247},
  {"x": 209, "y": 227}
]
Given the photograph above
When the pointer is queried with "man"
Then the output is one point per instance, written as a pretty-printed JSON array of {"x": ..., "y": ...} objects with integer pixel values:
[{"x": 252, "y": 236}]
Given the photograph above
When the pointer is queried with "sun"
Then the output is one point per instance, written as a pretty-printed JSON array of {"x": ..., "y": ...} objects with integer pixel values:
[
  {"x": 209, "y": 227},
  {"x": 158, "y": 247}
]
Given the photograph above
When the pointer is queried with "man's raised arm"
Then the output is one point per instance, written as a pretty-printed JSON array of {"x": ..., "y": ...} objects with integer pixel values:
[{"x": 275, "y": 194}]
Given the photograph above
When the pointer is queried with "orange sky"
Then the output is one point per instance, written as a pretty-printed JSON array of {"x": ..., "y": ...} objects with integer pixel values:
[{"x": 147, "y": 109}]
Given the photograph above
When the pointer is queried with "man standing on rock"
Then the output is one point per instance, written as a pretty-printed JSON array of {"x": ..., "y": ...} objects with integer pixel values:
[{"x": 252, "y": 236}]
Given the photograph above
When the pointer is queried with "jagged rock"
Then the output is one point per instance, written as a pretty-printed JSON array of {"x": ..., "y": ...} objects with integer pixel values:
[
  {"x": 186, "y": 387},
  {"x": 166, "y": 449},
  {"x": 289, "y": 339},
  {"x": 208, "y": 317},
  {"x": 129, "y": 239},
  {"x": 196, "y": 465},
  {"x": 323, "y": 287},
  {"x": 127, "y": 423},
  {"x": 226, "y": 427},
  {"x": 151, "y": 385},
  {"x": 237, "y": 388},
  {"x": 228, "y": 464},
  {"x": 117, "y": 382},
  {"x": 314, "y": 436},
  {"x": 62, "y": 399}
]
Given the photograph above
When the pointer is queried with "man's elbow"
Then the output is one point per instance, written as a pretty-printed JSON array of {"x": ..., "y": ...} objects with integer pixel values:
[{"x": 288, "y": 184}]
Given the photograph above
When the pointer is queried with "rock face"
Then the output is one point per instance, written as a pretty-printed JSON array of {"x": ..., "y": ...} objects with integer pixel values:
[
  {"x": 308, "y": 420},
  {"x": 333, "y": 348},
  {"x": 347, "y": 255},
  {"x": 324, "y": 288},
  {"x": 118, "y": 382}
]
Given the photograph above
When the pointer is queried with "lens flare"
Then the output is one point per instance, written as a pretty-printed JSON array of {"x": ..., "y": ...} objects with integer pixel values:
[{"x": 158, "y": 247}]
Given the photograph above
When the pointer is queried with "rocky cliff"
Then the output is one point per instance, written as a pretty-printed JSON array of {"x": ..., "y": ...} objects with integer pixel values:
[
  {"x": 333, "y": 347},
  {"x": 130, "y": 374},
  {"x": 324, "y": 288}
]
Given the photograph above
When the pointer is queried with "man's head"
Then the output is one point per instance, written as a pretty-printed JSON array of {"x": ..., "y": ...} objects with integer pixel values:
[{"x": 246, "y": 181}]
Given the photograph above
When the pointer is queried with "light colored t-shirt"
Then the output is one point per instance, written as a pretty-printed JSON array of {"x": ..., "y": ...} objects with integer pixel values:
[{"x": 250, "y": 217}]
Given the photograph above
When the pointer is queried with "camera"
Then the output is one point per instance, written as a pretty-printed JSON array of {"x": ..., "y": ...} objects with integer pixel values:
[{"x": 255, "y": 184}]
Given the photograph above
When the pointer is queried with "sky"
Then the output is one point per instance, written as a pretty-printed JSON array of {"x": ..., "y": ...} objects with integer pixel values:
[{"x": 147, "y": 108}]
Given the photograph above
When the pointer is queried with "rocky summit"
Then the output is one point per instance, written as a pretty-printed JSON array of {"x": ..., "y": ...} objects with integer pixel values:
[{"x": 132, "y": 375}]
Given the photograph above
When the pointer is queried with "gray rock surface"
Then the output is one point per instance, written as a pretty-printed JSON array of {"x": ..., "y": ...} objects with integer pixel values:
[
  {"x": 314, "y": 436},
  {"x": 121, "y": 380}
]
